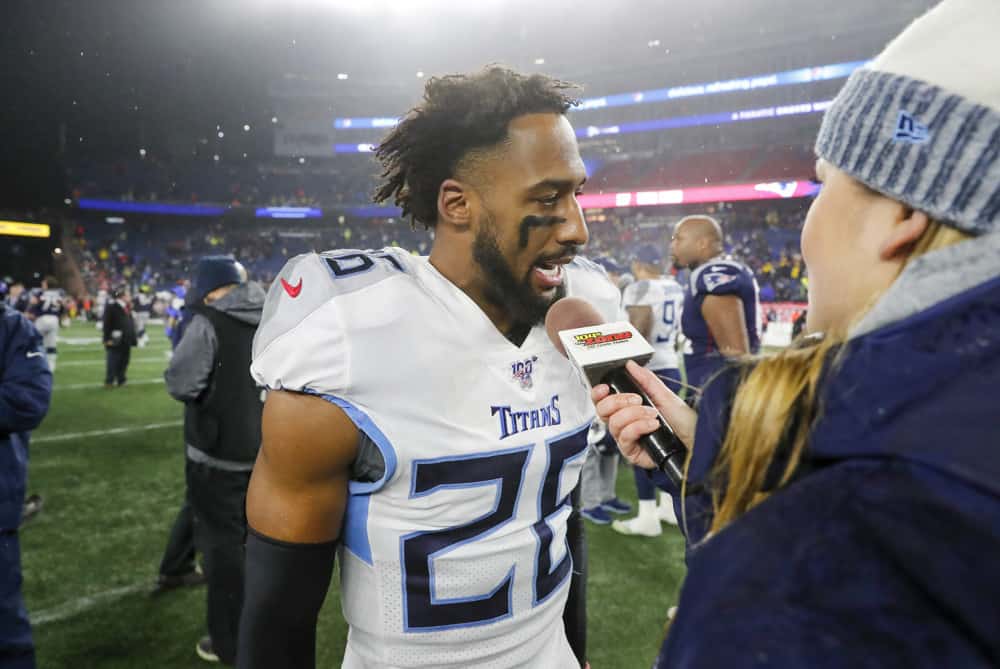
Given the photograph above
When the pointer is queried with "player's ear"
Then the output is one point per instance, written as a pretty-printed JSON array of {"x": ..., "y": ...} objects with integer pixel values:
[{"x": 453, "y": 203}]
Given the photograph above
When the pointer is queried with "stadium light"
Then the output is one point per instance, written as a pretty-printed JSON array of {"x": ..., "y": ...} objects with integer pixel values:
[
  {"x": 420, "y": 75},
  {"x": 539, "y": 61},
  {"x": 342, "y": 76},
  {"x": 246, "y": 127},
  {"x": 142, "y": 153}
]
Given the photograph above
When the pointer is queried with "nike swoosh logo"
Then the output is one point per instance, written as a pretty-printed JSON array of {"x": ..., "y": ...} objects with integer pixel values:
[
  {"x": 293, "y": 291},
  {"x": 35, "y": 354}
]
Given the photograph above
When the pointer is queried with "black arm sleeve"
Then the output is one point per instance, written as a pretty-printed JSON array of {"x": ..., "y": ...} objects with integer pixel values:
[
  {"x": 575, "y": 614},
  {"x": 284, "y": 590}
]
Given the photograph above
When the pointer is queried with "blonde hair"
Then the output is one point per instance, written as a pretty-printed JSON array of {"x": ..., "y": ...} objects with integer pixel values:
[{"x": 776, "y": 406}]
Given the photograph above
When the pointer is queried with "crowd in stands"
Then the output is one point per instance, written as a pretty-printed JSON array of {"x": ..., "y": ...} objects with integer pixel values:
[{"x": 159, "y": 255}]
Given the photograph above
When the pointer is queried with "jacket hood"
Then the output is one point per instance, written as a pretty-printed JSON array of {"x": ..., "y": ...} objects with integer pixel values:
[{"x": 244, "y": 303}]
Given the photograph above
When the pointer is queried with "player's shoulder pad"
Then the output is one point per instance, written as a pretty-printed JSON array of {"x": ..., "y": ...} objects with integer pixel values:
[
  {"x": 590, "y": 281},
  {"x": 311, "y": 281},
  {"x": 718, "y": 277}
]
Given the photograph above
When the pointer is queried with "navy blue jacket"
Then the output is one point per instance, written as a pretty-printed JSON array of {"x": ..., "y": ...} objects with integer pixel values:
[
  {"x": 25, "y": 390},
  {"x": 884, "y": 553}
]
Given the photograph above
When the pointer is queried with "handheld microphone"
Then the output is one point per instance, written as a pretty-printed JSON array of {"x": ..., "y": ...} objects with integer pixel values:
[{"x": 600, "y": 350}]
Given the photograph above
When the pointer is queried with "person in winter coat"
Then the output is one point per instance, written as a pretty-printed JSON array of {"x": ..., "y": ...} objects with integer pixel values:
[
  {"x": 25, "y": 391},
  {"x": 842, "y": 498},
  {"x": 210, "y": 373}
]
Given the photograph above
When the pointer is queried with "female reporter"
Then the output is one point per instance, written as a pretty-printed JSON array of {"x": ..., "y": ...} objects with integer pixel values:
[{"x": 842, "y": 498}]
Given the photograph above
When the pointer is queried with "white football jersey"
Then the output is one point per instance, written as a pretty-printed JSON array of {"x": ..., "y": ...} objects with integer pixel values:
[
  {"x": 666, "y": 297},
  {"x": 457, "y": 556}
]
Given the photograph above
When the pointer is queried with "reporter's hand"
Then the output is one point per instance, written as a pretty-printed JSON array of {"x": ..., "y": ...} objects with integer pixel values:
[{"x": 628, "y": 419}]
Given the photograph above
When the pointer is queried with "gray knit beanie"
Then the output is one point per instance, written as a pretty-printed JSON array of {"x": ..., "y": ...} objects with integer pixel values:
[{"x": 921, "y": 124}]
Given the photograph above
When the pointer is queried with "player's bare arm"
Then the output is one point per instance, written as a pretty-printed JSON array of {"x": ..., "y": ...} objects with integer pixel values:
[
  {"x": 299, "y": 486},
  {"x": 295, "y": 509},
  {"x": 642, "y": 318},
  {"x": 724, "y": 316}
]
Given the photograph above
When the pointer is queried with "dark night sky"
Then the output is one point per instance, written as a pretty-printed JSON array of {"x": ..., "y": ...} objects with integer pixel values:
[{"x": 118, "y": 72}]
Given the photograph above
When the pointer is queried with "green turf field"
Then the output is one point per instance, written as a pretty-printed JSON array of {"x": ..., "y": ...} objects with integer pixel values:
[{"x": 91, "y": 556}]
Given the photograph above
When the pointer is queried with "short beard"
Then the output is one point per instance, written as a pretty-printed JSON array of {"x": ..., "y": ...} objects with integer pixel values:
[{"x": 524, "y": 306}]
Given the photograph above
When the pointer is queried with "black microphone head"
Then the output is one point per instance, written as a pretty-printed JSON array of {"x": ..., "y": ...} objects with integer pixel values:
[{"x": 569, "y": 313}]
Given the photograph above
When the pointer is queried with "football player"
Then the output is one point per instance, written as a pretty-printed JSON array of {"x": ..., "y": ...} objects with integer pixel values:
[
  {"x": 418, "y": 417},
  {"x": 47, "y": 310},
  {"x": 721, "y": 306},
  {"x": 654, "y": 304},
  {"x": 142, "y": 307}
]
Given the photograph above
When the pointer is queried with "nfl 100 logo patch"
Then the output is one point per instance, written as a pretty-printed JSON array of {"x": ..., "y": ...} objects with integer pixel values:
[{"x": 522, "y": 370}]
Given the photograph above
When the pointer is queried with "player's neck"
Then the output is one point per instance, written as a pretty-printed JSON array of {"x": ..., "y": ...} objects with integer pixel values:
[
  {"x": 467, "y": 279},
  {"x": 710, "y": 258}
]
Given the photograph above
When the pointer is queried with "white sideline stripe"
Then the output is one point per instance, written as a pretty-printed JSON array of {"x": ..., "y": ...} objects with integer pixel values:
[
  {"x": 83, "y": 363},
  {"x": 81, "y": 604},
  {"x": 100, "y": 433},
  {"x": 83, "y": 386},
  {"x": 78, "y": 341}
]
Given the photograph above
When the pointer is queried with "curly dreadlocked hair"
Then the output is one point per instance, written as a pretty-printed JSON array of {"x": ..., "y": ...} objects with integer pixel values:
[{"x": 461, "y": 113}]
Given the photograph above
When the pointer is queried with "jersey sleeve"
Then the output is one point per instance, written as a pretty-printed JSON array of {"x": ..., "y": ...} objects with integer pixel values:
[
  {"x": 723, "y": 278},
  {"x": 303, "y": 342}
]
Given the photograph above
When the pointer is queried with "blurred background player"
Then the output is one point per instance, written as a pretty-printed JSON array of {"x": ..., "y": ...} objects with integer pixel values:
[
  {"x": 209, "y": 372},
  {"x": 176, "y": 314},
  {"x": 118, "y": 336},
  {"x": 25, "y": 391},
  {"x": 47, "y": 310},
  {"x": 142, "y": 306},
  {"x": 599, "y": 477},
  {"x": 654, "y": 303},
  {"x": 721, "y": 309}
]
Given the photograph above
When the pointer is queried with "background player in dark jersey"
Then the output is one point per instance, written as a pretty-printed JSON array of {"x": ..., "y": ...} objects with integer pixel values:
[
  {"x": 47, "y": 309},
  {"x": 720, "y": 299}
]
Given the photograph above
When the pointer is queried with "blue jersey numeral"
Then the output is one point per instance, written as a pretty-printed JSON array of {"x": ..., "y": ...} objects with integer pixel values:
[
  {"x": 668, "y": 320},
  {"x": 356, "y": 263},
  {"x": 548, "y": 576},
  {"x": 422, "y": 610}
]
